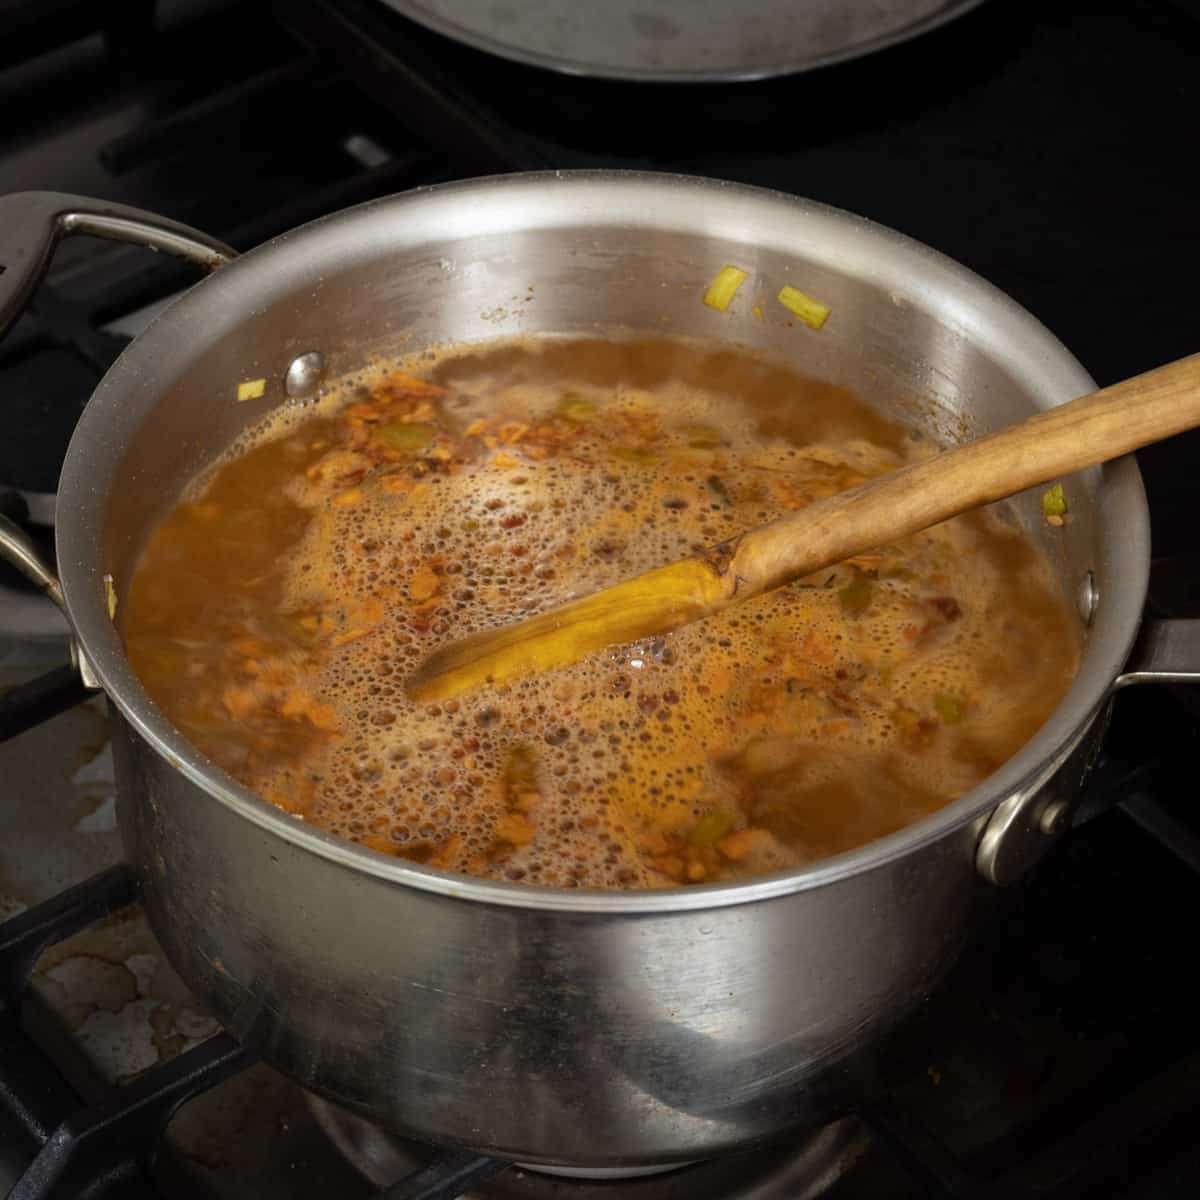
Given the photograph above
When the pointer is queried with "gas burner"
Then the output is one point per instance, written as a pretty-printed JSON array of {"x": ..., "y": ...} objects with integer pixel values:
[{"x": 802, "y": 1167}]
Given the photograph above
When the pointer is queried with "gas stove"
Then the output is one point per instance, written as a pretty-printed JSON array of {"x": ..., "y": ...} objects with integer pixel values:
[{"x": 1037, "y": 143}]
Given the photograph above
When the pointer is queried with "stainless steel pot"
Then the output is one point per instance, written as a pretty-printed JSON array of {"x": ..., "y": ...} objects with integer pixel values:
[{"x": 562, "y": 1027}]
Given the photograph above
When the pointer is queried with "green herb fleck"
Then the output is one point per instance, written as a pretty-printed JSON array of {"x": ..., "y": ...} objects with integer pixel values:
[
  {"x": 703, "y": 437},
  {"x": 577, "y": 408},
  {"x": 405, "y": 435},
  {"x": 710, "y": 829}
]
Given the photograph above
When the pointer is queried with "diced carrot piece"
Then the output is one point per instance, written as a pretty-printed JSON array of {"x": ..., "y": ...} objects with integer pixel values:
[
  {"x": 670, "y": 865},
  {"x": 283, "y": 800},
  {"x": 249, "y": 646},
  {"x": 816, "y": 649},
  {"x": 371, "y": 611},
  {"x": 652, "y": 842},
  {"x": 448, "y": 854},
  {"x": 397, "y": 485},
  {"x": 301, "y": 704},
  {"x": 344, "y": 639},
  {"x": 736, "y": 846},
  {"x": 410, "y": 385},
  {"x": 382, "y": 843},
  {"x": 515, "y": 828},
  {"x": 240, "y": 701},
  {"x": 423, "y": 583},
  {"x": 526, "y": 801},
  {"x": 339, "y": 466}
]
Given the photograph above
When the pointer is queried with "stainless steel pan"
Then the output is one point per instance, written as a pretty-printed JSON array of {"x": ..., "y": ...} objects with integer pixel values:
[
  {"x": 678, "y": 41},
  {"x": 563, "y": 1027}
]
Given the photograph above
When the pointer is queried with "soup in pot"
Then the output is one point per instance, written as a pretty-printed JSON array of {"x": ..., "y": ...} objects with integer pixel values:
[{"x": 278, "y": 608}]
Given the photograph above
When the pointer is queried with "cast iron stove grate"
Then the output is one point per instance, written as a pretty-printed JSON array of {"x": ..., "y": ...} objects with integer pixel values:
[
  {"x": 104, "y": 1149},
  {"x": 206, "y": 110}
]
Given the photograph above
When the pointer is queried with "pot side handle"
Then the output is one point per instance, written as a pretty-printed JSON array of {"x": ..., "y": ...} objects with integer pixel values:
[
  {"x": 31, "y": 226},
  {"x": 33, "y": 223},
  {"x": 1166, "y": 651},
  {"x": 1023, "y": 828},
  {"x": 56, "y": 691},
  {"x": 18, "y": 548}
]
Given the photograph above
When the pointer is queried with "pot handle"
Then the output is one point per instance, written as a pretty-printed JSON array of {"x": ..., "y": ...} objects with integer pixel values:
[
  {"x": 1166, "y": 651},
  {"x": 31, "y": 226},
  {"x": 33, "y": 223},
  {"x": 60, "y": 689},
  {"x": 20, "y": 549},
  {"x": 1023, "y": 828}
]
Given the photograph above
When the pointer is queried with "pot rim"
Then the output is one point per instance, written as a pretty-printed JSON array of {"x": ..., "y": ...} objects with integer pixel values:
[{"x": 617, "y": 198}]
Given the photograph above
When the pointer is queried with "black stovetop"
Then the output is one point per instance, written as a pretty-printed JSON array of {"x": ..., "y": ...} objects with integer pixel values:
[{"x": 1047, "y": 145}]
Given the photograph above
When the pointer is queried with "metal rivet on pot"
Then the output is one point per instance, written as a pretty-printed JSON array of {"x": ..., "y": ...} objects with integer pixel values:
[
  {"x": 1054, "y": 818},
  {"x": 1085, "y": 598},
  {"x": 304, "y": 375}
]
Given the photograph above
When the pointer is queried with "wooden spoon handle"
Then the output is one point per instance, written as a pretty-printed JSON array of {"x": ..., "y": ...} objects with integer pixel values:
[{"x": 1092, "y": 429}]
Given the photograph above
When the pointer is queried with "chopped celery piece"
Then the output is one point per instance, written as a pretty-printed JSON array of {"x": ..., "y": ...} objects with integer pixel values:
[
  {"x": 723, "y": 288},
  {"x": 1054, "y": 501},
  {"x": 812, "y": 312}
]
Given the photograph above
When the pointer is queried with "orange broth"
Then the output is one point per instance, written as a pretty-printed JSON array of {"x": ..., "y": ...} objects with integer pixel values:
[{"x": 278, "y": 608}]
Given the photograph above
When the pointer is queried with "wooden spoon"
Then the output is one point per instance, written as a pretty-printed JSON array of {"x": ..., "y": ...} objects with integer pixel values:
[{"x": 1092, "y": 429}]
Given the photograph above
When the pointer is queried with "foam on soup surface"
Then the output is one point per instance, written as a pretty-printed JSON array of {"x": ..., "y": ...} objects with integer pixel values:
[{"x": 278, "y": 608}]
